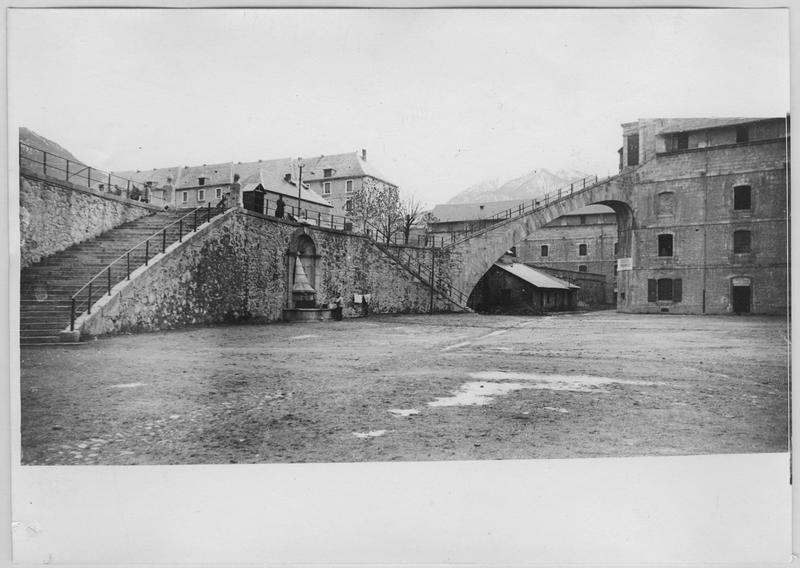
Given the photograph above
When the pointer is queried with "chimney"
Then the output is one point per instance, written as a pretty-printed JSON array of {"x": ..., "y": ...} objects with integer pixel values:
[
  {"x": 364, "y": 154},
  {"x": 287, "y": 177},
  {"x": 235, "y": 178}
]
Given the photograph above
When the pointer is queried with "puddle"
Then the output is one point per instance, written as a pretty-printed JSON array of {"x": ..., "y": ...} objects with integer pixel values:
[
  {"x": 578, "y": 383},
  {"x": 303, "y": 336},
  {"x": 456, "y": 346},
  {"x": 483, "y": 391},
  {"x": 404, "y": 411},
  {"x": 372, "y": 434},
  {"x": 476, "y": 393},
  {"x": 127, "y": 385}
]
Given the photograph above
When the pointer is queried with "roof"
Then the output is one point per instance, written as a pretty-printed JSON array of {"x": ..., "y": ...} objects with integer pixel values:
[
  {"x": 343, "y": 166},
  {"x": 535, "y": 277},
  {"x": 450, "y": 212},
  {"x": 689, "y": 124},
  {"x": 271, "y": 175}
]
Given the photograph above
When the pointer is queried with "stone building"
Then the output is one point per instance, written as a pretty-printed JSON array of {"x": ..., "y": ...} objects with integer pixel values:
[
  {"x": 709, "y": 203},
  {"x": 259, "y": 185},
  {"x": 583, "y": 241},
  {"x": 338, "y": 176}
]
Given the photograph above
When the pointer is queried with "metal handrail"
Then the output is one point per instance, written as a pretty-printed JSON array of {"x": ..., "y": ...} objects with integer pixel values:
[
  {"x": 424, "y": 273},
  {"x": 96, "y": 179},
  {"x": 525, "y": 208},
  {"x": 162, "y": 233}
]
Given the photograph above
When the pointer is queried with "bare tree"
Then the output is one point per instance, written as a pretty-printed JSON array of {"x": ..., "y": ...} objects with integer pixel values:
[
  {"x": 410, "y": 211},
  {"x": 376, "y": 207}
]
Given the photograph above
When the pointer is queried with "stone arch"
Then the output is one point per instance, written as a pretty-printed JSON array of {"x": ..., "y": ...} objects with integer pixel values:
[
  {"x": 301, "y": 246},
  {"x": 475, "y": 256}
]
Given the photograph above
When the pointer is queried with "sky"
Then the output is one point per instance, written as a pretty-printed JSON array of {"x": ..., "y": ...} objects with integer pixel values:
[{"x": 441, "y": 99}]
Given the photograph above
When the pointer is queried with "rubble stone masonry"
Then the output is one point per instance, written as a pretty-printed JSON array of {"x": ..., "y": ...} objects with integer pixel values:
[
  {"x": 54, "y": 215},
  {"x": 237, "y": 270}
]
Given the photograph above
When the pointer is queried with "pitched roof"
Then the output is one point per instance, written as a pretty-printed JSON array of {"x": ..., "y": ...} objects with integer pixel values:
[
  {"x": 343, "y": 165},
  {"x": 535, "y": 277},
  {"x": 158, "y": 176},
  {"x": 689, "y": 124},
  {"x": 271, "y": 175}
]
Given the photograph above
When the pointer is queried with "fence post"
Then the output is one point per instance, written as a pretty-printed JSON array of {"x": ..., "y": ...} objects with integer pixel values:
[
  {"x": 164, "y": 241},
  {"x": 129, "y": 265},
  {"x": 146, "y": 251},
  {"x": 208, "y": 217},
  {"x": 180, "y": 230},
  {"x": 318, "y": 219},
  {"x": 109, "y": 183},
  {"x": 44, "y": 171},
  {"x": 89, "y": 301},
  {"x": 108, "y": 273},
  {"x": 67, "y": 178},
  {"x": 88, "y": 177},
  {"x": 72, "y": 316},
  {"x": 195, "y": 219},
  {"x": 584, "y": 183}
]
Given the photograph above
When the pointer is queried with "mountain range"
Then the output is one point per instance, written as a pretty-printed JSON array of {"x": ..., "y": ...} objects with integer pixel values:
[{"x": 533, "y": 184}]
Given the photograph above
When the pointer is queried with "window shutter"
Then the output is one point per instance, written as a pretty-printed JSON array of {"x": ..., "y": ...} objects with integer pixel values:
[
  {"x": 652, "y": 290},
  {"x": 677, "y": 290}
]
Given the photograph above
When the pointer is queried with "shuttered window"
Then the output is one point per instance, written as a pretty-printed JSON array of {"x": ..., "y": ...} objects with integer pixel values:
[{"x": 664, "y": 290}]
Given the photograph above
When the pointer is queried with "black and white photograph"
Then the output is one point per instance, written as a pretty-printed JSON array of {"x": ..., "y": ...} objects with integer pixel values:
[{"x": 419, "y": 248}]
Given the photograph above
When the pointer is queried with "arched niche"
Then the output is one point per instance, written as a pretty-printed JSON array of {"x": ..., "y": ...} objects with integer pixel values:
[{"x": 303, "y": 243}]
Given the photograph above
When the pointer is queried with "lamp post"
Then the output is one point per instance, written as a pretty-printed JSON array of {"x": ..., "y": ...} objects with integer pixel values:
[{"x": 300, "y": 165}]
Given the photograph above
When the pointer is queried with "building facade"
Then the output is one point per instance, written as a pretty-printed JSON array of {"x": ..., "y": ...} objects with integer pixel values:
[
  {"x": 709, "y": 201},
  {"x": 337, "y": 177}
]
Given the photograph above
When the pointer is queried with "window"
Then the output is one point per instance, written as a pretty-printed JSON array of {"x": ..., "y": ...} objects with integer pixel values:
[
  {"x": 582, "y": 268},
  {"x": 633, "y": 150},
  {"x": 664, "y": 290},
  {"x": 545, "y": 250},
  {"x": 616, "y": 248},
  {"x": 582, "y": 250},
  {"x": 742, "y": 134},
  {"x": 741, "y": 242},
  {"x": 326, "y": 188},
  {"x": 683, "y": 141},
  {"x": 512, "y": 251},
  {"x": 741, "y": 197},
  {"x": 185, "y": 197},
  {"x": 348, "y": 206},
  {"x": 349, "y": 186},
  {"x": 219, "y": 192},
  {"x": 664, "y": 245},
  {"x": 327, "y": 172},
  {"x": 583, "y": 219},
  {"x": 201, "y": 195},
  {"x": 201, "y": 181}
]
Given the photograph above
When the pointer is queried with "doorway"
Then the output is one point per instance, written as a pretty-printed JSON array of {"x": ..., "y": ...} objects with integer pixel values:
[{"x": 741, "y": 299}]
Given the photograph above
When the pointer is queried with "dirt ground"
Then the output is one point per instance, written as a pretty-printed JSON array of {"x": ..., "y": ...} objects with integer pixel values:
[{"x": 440, "y": 387}]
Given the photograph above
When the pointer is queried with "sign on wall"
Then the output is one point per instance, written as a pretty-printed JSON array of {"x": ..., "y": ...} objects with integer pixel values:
[{"x": 624, "y": 264}]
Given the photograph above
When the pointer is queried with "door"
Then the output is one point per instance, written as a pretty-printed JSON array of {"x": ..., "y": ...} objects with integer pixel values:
[{"x": 741, "y": 299}]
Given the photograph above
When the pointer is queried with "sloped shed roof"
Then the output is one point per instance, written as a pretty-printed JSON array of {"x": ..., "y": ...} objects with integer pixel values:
[{"x": 535, "y": 277}]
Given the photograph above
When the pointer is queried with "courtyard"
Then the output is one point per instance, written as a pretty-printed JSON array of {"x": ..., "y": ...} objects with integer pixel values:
[{"x": 412, "y": 388}]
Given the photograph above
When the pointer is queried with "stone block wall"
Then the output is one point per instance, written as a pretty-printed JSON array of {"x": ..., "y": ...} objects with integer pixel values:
[
  {"x": 236, "y": 270},
  {"x": 54, "y": 215}
]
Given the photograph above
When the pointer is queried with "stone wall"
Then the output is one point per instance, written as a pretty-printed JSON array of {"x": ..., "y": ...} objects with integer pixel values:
[
  {"x": 236, "y": 270},
  {"x": 54, "y": 215}
]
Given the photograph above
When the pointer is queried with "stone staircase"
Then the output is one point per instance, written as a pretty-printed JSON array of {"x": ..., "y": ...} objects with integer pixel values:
[{"x": 46, "y": 288}]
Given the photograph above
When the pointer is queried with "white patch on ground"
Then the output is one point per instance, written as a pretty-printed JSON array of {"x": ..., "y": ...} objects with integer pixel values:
[
  {"x": 492, "y": 334},
  {"x": 127, "y": 385},
  {"x": 303, "y": 336},
  {"x": 476, "y": 393},
  {"x": 554, "y": 409},
  {"x": 577, "y": 383},
  {"x": 404, "y": 411},
  {"x": 456, "y": 346},
  {"x": 372, "y": 434},
  {"x": 483, "y": 392}
]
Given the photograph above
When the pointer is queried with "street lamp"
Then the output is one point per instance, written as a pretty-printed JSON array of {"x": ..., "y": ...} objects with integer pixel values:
[{"x": 300, "y": 165}]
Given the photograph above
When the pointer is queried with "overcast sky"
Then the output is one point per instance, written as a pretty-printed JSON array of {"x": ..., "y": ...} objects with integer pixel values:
[{"x": 441, "y": 99}]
